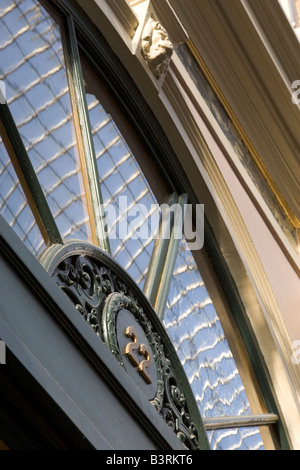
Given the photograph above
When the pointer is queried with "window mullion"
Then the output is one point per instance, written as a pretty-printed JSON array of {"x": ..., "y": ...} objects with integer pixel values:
[
  {"x": 84, "y": 136},
  {"x": 27, "y": 177},
  {"x": 158, "y": 257},
  {"x": 227, "y": 422},
  {"x": 162, "y": 263}
]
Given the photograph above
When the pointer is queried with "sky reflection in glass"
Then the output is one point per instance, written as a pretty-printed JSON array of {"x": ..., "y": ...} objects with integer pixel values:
[
  {"x": 13, "y": 205},
  {"x": 198, "y": 337},
  {"x": 32, "y": 67},
  {"x": 121, "y": 177}
]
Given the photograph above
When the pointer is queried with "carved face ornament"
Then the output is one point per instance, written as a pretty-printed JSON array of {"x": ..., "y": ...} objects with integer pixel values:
[{"x": 156, "y": 47}]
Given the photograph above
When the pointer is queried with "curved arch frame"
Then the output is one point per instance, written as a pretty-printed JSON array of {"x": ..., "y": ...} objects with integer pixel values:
[{"x": 91, "y": 277}]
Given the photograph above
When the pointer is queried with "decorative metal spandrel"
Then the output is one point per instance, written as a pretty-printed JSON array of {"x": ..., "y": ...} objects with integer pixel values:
[
  {"x": 118, "y": 312},
  {"x": 86, "y": 287}
]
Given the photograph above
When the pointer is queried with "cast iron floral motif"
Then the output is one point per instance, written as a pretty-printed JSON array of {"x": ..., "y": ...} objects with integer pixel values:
[{"x": 99, "y": 293}]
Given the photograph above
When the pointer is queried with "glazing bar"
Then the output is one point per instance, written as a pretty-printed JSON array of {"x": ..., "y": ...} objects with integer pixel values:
[
  {"x": 227, "y": 422},
  {"x": 160, "y": 251},
  {"x": 168, "y": 271},
  {"x": 161, "y": 268},
  {"x": 85, "y": 142},
  {"x": 27, "y": 177}
]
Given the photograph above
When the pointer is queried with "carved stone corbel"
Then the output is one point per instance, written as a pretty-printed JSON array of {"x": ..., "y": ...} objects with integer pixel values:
[{"x": 156, "y": 47}]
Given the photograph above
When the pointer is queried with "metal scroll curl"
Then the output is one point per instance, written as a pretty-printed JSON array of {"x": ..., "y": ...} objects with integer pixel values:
[{"x": 120, "y": 315}]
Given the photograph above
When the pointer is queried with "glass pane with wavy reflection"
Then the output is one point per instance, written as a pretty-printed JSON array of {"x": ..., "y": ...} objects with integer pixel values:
[
  {"x": 14, "y": 208},
  {"x": 196, "y": 332},
  {"x": 132, "y": 211},
  {"x": 33, "y": 70}
]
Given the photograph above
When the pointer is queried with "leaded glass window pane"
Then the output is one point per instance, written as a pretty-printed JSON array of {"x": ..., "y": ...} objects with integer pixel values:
[
  {"x": 33, "y": 70},
  {"x": 236, "y": 439},
  {"x": 197, "y": 334},
  {"x": 14, "y": 207},
  {"x": 131, "y": 208}
]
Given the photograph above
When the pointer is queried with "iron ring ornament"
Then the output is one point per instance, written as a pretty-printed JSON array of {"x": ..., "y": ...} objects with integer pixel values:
[{"x": 121, "y": 316}]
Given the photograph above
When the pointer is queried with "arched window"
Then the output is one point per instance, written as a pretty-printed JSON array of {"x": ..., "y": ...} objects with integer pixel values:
[{"x": 76, "y": 165}]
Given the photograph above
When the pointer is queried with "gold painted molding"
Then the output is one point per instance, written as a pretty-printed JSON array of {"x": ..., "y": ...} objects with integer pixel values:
[
  {"x": 170, "y": 21},
  {"x": 247, "y": 142},
  {"x": 125, "y": 15}
]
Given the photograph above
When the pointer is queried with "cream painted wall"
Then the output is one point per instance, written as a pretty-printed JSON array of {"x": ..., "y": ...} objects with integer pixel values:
[{"x": 283, "y": 279}]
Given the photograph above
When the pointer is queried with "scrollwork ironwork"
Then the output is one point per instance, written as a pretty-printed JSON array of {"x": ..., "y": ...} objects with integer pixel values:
[{"x": 99, "y": 292}]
